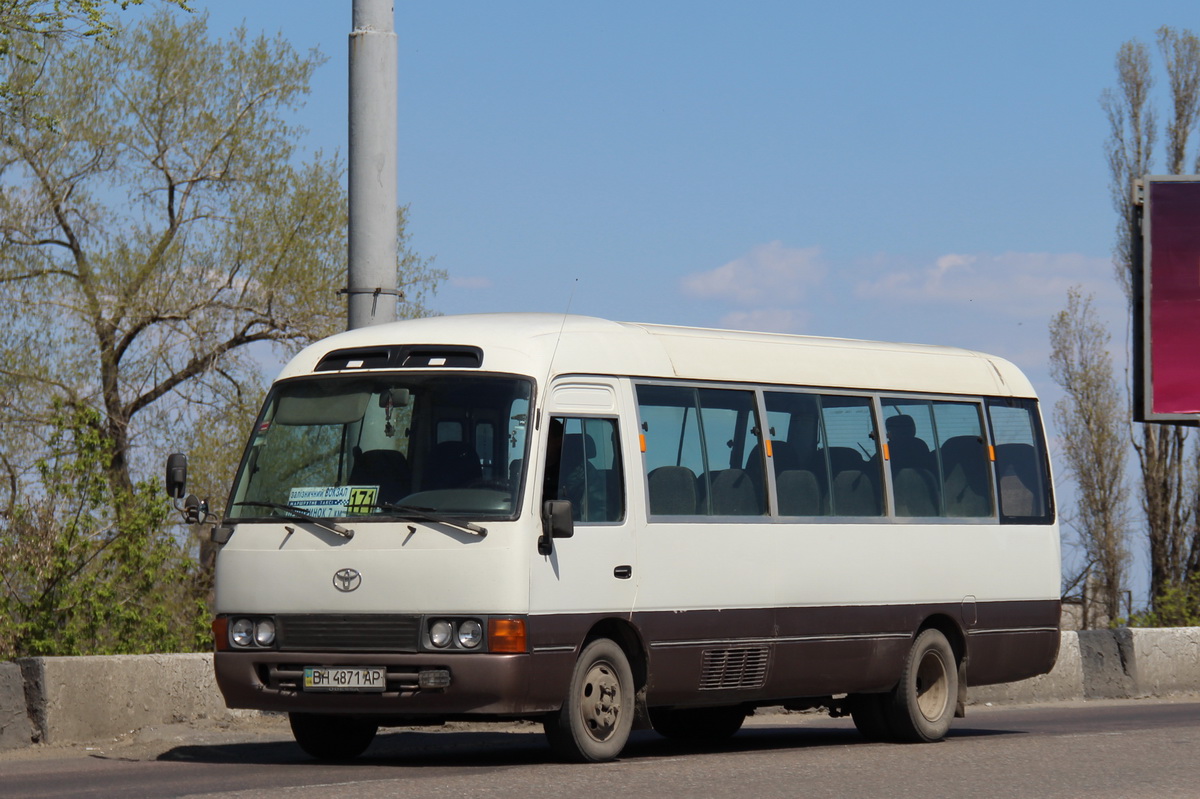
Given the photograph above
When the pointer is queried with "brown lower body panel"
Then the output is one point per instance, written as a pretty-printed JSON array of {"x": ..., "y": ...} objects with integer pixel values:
[
  {"x": 700, "y": 657},
  {"x": 761, "y": 655},
  {"x": 480, "y": 685}
]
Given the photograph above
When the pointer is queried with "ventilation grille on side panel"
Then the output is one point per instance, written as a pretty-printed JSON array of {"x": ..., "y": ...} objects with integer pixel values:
[{"x": 736, "y": 667}]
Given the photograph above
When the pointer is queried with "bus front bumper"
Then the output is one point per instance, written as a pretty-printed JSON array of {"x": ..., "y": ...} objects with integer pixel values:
[{"x": 473, "y": 684}]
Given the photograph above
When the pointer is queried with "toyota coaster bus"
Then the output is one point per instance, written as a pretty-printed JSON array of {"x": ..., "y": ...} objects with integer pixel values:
[{"x": 604, "y": 526}]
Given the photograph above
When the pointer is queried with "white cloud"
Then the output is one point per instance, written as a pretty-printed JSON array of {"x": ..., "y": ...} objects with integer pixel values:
[
  {"x": 768, "y": 273},
  {"x": 998, "y": 303},
  {"x": 1027, "y": 283},
  {"x": 947, "y": 262}
]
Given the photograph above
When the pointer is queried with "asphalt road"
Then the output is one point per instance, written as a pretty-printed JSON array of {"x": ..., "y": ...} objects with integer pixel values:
[{"x": 1119, "y": 749}]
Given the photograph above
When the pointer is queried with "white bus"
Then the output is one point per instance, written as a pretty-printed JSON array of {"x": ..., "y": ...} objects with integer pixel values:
[{"x": 606, "y": 526}]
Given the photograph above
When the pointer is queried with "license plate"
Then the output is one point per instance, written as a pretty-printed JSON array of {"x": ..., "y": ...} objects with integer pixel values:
[{"x": 357, "y": 678}]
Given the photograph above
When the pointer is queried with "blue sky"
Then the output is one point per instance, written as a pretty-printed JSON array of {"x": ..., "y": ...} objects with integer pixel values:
[
  {"x": 929, "y": 172},
  {"x": 926, "y": 171}
]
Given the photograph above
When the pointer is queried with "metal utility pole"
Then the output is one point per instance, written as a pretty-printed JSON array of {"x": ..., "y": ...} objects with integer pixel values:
[{"x": 371, "y": 280}]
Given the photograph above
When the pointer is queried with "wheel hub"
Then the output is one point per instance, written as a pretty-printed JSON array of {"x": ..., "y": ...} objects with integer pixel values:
[
  {"x": 932, "y": 686},
  {"x": 601, "y": 701}
]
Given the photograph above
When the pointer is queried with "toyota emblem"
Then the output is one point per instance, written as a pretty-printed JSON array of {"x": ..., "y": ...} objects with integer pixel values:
[{"x": 346, "y": 580}]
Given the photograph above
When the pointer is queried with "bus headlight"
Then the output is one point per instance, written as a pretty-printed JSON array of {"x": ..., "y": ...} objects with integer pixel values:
[
  {"x": 241, "y": 632},
  {"x": 245, "y": 632},
  {"x": 264, "y": 632},
  {"x": 440, "y": 634},
  {"x": 470, "y": 634}
]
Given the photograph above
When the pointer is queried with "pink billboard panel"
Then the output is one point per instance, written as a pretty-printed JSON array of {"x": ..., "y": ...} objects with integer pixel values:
[{"x": 1173, "y": 300}]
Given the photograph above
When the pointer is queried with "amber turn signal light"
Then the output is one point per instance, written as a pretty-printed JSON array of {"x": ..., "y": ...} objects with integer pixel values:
[{"x": 506, "y": 635}]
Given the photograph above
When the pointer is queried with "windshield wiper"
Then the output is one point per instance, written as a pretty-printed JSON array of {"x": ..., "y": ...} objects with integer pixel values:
[
  {"x": 303, "y": 515},
  {"x": 430, "y": 515}
]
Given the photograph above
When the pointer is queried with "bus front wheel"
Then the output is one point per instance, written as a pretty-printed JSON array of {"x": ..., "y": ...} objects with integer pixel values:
[
  {"x": 923, "y": 703},
  {"x": 597, "y": 715}
]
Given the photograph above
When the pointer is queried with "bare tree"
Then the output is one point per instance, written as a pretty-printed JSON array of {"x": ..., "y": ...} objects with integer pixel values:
[
  {"x": 1132, "y": 131},
  {"x": 165, "y": 223},
  {"x": 160, "y": 233},
  {"x": 1166, "y": 492},
  {"x": 1091, "y": 419}
]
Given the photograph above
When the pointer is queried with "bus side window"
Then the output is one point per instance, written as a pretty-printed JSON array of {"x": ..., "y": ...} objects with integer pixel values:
[
  {"x": 912, "y": 456},
  {"x": 1021, "y": 472},
  {"x": 938, "y": 458},
  {"x": 706, "y": 435},
  {"x": 732, "y": 484},
  {"x": 800, "y": 478},
  {"x": 583, "y": 465},
  {"x": 849, "y": 456},
  {"x": 966, "y": 479}
]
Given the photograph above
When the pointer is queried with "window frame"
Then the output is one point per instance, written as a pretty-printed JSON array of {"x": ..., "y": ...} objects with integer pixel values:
[
  {"x": 619, "y": 459},
  {"x": 743, "y": 429},
  {"x": 936, "y": 445},
  {"x": 876, "y": 401},
  {"x": 1042, "y": 461}
]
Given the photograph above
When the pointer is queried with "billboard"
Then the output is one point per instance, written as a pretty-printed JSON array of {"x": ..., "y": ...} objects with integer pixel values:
[{"x": 1167, "y": 300}]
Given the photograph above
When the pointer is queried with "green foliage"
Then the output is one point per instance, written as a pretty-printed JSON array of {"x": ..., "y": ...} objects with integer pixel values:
[
  {"x": 159, "y": 242},
  {"x": 78, "y": 18},
  {"x": 172, "y": 219},
  {"x": 74, "y": 581},
  {"x": 38, "y": 22},
  {"x": 1177, "y": 606}
]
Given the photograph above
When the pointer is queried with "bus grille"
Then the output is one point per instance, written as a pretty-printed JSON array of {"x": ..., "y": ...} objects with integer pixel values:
[
  {"x": 330, "y": 632},
  {"x": 736, "y": 667}
]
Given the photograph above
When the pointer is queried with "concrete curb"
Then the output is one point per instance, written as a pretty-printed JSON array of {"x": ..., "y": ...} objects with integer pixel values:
[
  {"x": 15, "y": 728},
  {"x": 87, "y": 699},
  {"x": 1165, "y": 661},
  {"x": 91, "y": 699},
  {"x": 1110, "y": 664}
]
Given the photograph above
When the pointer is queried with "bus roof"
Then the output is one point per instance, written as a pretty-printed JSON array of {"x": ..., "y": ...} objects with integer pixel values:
[{"x": 544, "y": 345}]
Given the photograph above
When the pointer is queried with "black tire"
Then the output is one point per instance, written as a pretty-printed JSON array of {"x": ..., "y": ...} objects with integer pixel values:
[
  {"x": 332, "y": 737},
  {"x": 597, "y": 715},
  {"x": 697, "y": 724},
  {"x": 923, "y": 703},
  {"x": 870, "y": 713}
]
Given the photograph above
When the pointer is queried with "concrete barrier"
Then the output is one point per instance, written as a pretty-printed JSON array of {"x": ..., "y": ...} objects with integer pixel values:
[
  {"x": 1110, "y": 664},
  {"x": 1163, "y": 662},
  {"x": 91, "y": 699},
  {"x": 15, "y": 729},
  {"x": 85, "y": 699}
]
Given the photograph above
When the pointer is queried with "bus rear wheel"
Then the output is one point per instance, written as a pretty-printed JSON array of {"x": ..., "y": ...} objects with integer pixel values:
[
  {"x": 923, "y": 703},
  {"x": 596, "y": 718},
  {"x": 332, "y": 737}
]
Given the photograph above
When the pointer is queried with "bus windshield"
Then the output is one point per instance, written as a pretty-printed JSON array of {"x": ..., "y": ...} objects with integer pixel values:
[{"x": 357, "y": 447}]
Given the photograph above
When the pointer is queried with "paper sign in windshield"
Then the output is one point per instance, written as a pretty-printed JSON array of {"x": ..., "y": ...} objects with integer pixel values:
[{"x": 325, "y": 501}]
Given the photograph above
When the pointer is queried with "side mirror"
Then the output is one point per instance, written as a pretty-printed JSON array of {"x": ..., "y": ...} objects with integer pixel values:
[
  {"x": 192, "y": 509},
  {"x": 195, "y": 511},
  {"x": 556, "y": 523},
  {"x": 176, "y": 475}
]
